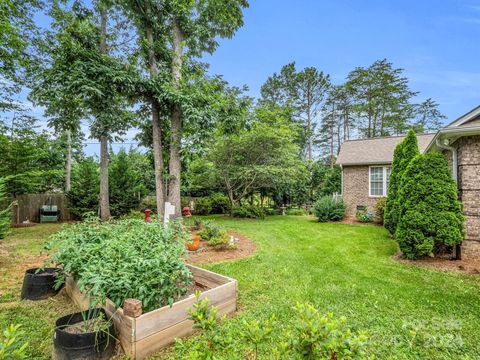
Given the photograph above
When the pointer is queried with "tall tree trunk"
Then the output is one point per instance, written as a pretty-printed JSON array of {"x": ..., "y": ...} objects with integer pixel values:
[
  {"x": 156, "y": 128},
  {"x": 176, "y": 122},
  {"x": 104, "y": 196},
  {"x": 68, "y": 163}
]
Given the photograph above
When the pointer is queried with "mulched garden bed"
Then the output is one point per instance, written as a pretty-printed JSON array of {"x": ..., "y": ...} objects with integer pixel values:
[
  {"x": 443, "y": 264},
  {"x": 244, "y": 247}
]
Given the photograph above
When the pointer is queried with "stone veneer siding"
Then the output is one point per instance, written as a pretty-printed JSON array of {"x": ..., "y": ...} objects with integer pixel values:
[
  {"x": 469, "y": 192},
  {"x": 355, "y": 189}
]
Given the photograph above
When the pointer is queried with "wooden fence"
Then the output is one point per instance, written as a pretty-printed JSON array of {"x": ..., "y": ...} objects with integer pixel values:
[{"x": 27, "y": 207}]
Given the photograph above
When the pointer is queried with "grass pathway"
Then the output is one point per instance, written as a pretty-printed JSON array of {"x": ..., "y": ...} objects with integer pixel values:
[{"x": 409, "y": 312}]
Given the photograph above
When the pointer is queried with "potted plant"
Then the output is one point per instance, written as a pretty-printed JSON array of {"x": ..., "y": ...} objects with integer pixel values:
[
  {"x": 88, "y": 334},
  {"x": 39, "y": 283}
]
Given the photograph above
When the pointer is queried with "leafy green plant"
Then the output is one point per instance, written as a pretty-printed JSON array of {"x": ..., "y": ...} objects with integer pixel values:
[
  {"x": 329, "y": 208},
  {"x": 364, "y": 216},
  {"x": 125, "y": 259},
  {"x": 310, "y": 336},
  {"x": 215, "y": 235},
  {"x": 214, "y": 337},
  {"x": 256, "y": 332},
  {"x": 133, "y": 214},
  {"x": 11, "y": 347},
  {"x": 5, "y": 211},
  {"x": 430, "y": 213},
  {"x": 380, "y": 210},
  {"x": 248, "y": 211},
  {"x": 317, "y": 336}
]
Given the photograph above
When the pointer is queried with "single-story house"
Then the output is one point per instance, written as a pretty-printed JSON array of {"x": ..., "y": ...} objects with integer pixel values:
[{"x": 366, "y": 169}]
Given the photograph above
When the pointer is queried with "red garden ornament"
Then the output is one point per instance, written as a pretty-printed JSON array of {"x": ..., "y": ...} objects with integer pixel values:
[
  {"x": 186, "y": 212},
  {"x": 147, "y": 216}
]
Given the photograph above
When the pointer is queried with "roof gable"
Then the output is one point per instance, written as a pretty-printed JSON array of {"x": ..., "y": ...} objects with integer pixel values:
[
  {"x": 376, "y": 150},
  {"x": 472, "y": 118}
]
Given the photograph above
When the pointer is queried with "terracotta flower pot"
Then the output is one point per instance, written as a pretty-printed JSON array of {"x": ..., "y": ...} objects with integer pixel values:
[{"x": 193, "y": 246}]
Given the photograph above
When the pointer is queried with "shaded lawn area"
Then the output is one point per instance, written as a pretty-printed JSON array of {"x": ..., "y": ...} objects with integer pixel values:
[{"x": 409, "y": 312}]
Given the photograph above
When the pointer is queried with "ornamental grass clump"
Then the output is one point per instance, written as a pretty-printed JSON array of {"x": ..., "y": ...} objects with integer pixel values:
[
  {"x": 430, "y": 213},
  {"x": 125, "y": 259}
]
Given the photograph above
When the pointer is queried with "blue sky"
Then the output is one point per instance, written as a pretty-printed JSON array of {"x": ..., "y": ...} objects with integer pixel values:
[{"x": 436, "y": 42}]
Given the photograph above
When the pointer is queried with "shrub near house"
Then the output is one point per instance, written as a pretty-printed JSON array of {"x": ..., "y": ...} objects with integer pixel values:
[{"x": 430, "y": 213}]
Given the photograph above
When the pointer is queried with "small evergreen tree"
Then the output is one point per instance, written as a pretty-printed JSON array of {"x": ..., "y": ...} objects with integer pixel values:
[
  {"x": 403, "y": 154},
  {"x": 83, "y": 196},
  {"x": 430, "y": 212},
  {"x": 123, "y": 182},
  {"x": 5, "y": 211}
]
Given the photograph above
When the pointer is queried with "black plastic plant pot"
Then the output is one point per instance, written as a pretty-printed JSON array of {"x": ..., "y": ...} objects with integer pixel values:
[
  {"x": 95, "y": 345},
  {"x": 38, "y": 286}
]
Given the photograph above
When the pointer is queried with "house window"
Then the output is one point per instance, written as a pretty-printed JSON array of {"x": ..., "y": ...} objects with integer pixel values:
[{"x": 379, "y": 180}]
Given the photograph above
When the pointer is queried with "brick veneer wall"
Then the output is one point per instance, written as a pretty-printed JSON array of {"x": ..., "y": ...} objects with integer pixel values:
[
  {"x": 469, "y": 191},
  {"x": 355, "y": 189}
]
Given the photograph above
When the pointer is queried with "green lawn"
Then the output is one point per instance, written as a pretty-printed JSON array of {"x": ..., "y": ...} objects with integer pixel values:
[{"x": 409, "y": 312}]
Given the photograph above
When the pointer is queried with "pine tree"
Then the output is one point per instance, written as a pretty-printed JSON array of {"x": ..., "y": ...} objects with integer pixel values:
[
  {"x": 5, "y": 211},
  {"x": 430, "y": 213},
  {"x": 403, "y": 154}
]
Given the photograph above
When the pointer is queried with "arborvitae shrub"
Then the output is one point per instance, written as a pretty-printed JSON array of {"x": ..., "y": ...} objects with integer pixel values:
[
  {"x": 403, "y": 154},
  {"x": 430, "y": 213}
]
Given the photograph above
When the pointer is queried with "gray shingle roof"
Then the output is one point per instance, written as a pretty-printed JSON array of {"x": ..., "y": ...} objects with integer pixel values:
[{"x": 375, "y": 151}]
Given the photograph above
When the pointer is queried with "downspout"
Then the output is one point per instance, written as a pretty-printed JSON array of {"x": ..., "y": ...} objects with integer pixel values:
[
  {"x": 457, "y": 251},
  {"x": 454, "y": 158}
]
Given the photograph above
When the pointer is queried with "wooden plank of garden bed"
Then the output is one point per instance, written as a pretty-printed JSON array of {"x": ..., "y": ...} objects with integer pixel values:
[
  {"x": 208, "y": 278},
  {"x": 153, "y": 343},
  {"x": 165, "y": 317}
]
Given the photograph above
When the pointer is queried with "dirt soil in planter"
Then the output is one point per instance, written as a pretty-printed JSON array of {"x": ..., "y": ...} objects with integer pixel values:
[
  {"x": 90, "y": 325},
  {"x": 244, "y": 247},
  {"x": 443, "y": 264}
]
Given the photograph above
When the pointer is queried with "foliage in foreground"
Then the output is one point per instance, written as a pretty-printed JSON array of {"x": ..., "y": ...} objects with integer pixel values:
[
  {"x": 403, "y": 154},
  {"x": 329, "y": 208},
  {"x": 311, "y": 336},
  {"x": 126, "y": 259},
  {"x": 430, "y": 213},
  {"x": 5, "y": 211},
  {"x": 11, "y": 348}
]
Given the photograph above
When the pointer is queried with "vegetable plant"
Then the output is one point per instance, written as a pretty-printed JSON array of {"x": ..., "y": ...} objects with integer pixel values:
[{"x": 125, "y": 259}]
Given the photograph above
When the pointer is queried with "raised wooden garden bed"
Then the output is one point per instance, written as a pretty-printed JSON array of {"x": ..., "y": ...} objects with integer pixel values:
[{"x": 146, "y": 334}]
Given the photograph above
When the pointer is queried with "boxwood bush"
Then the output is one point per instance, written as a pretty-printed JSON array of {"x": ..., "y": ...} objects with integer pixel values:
[
  {"x": 125, "y": 259},
  {"x": 329, "y": 208}
]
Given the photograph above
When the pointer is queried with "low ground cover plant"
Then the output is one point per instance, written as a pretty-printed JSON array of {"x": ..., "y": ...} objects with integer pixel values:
[
  {"x": 364, "y": 216},
  {"x": 311, "y": 335},
  {"x": 125, "y": 259},
  {"x": 216, "y": 236},
  {"x": 329, "y": 208}
]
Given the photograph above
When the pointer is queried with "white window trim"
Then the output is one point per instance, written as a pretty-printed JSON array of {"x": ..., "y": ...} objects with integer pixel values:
[{"x": 385, "y": 190}]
